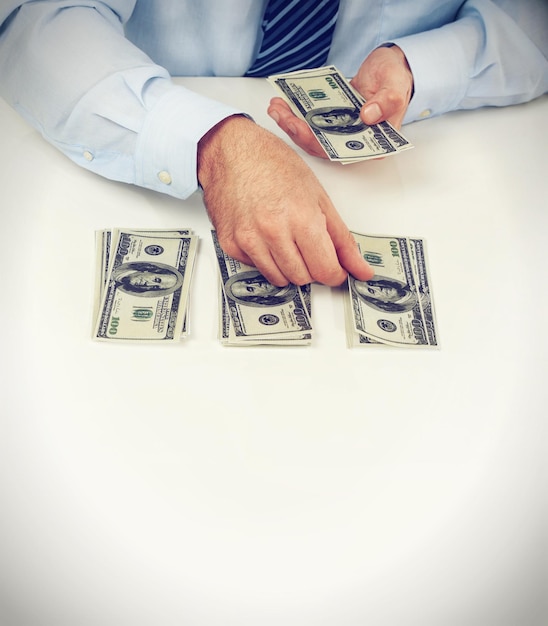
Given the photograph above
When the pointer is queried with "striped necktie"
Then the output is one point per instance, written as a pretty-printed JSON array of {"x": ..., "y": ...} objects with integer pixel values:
[{"x": 297, "y": 35}]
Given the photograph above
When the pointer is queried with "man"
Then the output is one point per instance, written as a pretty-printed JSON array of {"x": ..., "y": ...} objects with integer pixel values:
[{"x": 94, "y": 77}]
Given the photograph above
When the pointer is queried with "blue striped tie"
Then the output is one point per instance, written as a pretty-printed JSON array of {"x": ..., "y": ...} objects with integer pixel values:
[{"x": 297, "y": 35}]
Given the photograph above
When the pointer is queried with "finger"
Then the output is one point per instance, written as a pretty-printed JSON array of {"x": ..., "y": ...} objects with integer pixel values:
[
  {"x": 322, "y": 261},
  {"x": 347, "y": 250},
  {"x": 386, "y": 82},
  {"x": 291, "y": 263},
  {"x": 280, "y": 249},
  {"x": 297, "y": 129},
  {"x": 256, "y": 256},
  {"x": 310, "y": 258},
  {"x": 318, "y": 248},
  {"x": 280, "y": 111},
  {"x": 351, "y": 259},
  {"x": 386, "y": 105},
  {"x": 262, "y": 259},
  {"x": 280, "y": 103},
  {"x": 371, "y": 113},
  {"x": 233, "y": 250}
]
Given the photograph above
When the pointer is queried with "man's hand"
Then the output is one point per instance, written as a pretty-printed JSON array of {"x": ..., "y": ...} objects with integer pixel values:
[
  {"x": 384, "y": 80},
  {"x": 269, "y": 209}
]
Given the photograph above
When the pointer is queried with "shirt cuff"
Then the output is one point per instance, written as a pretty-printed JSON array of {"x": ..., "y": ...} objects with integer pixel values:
[
  {"x": 440, "y": 68},
  {"x": 166, "y": 151}
]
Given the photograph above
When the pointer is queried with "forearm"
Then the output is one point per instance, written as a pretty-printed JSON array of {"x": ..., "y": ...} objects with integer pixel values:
[
  {"x": 483, "y": 58},
  {"x": 101, "y": 100}
]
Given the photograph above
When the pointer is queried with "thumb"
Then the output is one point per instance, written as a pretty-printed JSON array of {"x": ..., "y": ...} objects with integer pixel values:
[
  {"x": 371, "y": 113},
  {"x": 387, "y": 105},
  {"x": 347, "y": 251}
]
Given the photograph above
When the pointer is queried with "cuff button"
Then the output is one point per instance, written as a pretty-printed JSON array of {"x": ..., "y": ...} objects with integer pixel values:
[{"x": 164, "y": 177}]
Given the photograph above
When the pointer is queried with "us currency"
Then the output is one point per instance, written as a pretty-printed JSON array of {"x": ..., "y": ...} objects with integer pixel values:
[
  {"x": 327, "y": 102},
  {"x": 417, "y": 248},
  {"x": 254, "y": 311},
  {"x": 395, "y": 307},
  {"x": 228, "y": 337},
  {"x": 102, "y": 254},
  {"x": 143, "y": 284},
  {"x": 103, "y": 239}
]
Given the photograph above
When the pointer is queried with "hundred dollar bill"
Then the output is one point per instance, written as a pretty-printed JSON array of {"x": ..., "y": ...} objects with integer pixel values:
[
  {"x": 103, "y": 240},
  {"x": 417, "y": 248},
  {"x": 331, "y": 107},
  {"x": 103, "y": 259},
  {"x": 395, "y": 307},
  {"x": 144, "y": 284},
  {"x": 354, "y": 338},
  {"x": 253, "y": 310},
  {"x": 102, "y": 253},
  {"x": 228, "y": 337}
]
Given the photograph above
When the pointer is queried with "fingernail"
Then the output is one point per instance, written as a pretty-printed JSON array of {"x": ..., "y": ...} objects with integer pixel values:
[
  {"x": 274, "y": 115},
  {"x": 291, "y": 129},
  {"x": 371, "y": 113}
]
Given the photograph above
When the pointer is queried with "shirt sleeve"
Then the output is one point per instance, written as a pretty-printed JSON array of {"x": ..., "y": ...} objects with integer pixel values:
[
  {"x": 488, "y": 56},
  {"x": 99, "y": 98}
]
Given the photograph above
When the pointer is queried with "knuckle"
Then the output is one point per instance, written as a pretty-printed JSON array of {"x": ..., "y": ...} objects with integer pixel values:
[
  {"x": 247, "y": 240},
  {"x": 299, "y": 276},
  {"x": 396, "y": 100},
  {"x": 231, "y": 248},
  {"x": 229, "y": 245},
  {"x": 271, "y": 231},
  {"x": 331, "y": 276}
]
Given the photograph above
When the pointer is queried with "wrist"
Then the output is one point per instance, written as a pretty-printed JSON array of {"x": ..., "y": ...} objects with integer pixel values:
[
  {"x": 401, "y": 54},
  {"x": 217, "y": 143}
]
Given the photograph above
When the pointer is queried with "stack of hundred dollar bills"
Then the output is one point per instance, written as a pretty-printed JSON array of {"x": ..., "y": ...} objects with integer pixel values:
[
  {"x": 253, "y": 311},
  {"x": 330, "y": 106},
  {"x": 142, "y": 284},
  {"x": 396, "y": 306}
]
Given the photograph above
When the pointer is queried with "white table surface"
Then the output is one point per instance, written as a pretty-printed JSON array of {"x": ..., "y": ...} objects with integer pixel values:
[{"x": 201, "y": 485}]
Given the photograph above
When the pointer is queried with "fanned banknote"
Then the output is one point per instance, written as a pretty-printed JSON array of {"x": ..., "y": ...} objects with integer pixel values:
[
  {"x": 142, "y": 284},
  {"x": 103, "y": 239},
  {"x": 254, "y": 311},
  {"x": 395, "y": 307},
  {"x": 327, "y": 102}
]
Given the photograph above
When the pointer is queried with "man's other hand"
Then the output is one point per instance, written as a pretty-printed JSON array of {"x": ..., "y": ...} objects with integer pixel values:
[
  {"x": 384, "y": 80},
  {"x": 270, "y": 210}
]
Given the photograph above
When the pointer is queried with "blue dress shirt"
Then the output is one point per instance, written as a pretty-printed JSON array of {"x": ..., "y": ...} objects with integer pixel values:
[{"x": 94, "y": 76}]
